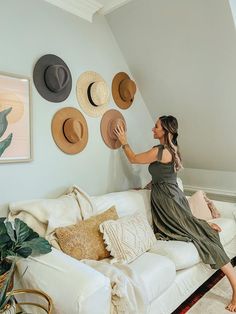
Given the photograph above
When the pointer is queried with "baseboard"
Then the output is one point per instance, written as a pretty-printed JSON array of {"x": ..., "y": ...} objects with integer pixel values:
[{"x": 217, "y": 194}]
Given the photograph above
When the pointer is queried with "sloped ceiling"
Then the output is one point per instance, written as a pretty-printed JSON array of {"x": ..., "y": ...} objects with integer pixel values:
[{"x": 182, "y": 55}]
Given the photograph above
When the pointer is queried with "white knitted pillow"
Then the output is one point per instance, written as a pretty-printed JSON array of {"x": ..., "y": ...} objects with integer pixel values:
[{"x": 128, "y": 237}]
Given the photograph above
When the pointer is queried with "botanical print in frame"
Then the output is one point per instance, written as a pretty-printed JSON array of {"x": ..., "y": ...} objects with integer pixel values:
[{"x": 15, "y": 128}]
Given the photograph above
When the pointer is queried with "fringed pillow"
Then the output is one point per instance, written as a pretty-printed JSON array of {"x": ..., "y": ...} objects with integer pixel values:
[{"x": 128, "y": 237}]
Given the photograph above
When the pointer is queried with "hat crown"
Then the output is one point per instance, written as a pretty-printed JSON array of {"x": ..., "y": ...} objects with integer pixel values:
[
  {"x": 73, "y": 130},
  {"x": 113, "y": 124},
  {"x": 99, "y": 93},
  {"x": 127, "y": 89},
  {"x": 56, "y": 77}
]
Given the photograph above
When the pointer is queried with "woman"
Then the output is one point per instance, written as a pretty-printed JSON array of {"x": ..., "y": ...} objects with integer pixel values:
[{"x": 172, "y": 217}]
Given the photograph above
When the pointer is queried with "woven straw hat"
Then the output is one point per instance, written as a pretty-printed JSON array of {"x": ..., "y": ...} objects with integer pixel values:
[
  {"x": 123, "y": 90},
  {"x": 92, "y": 93},
  {"x": 70, "y": 130},
  {"x": 110, "y": 120},
  {"x": 52, "y": 78}
]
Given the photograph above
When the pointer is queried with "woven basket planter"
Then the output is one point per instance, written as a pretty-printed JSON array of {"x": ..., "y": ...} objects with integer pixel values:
[
  {"x": 10, "y": 308},
  {"x": 3, "y": 278}
]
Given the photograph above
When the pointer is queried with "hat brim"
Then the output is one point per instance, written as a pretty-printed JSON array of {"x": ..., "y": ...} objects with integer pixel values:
[
  {"x": 82, "y": 85},
  {"x": 38, "y": 76},
  {"x": 57, "y": 130},
  {"x": 108, "y": 116},
  {"x": 118, "y": 78}
]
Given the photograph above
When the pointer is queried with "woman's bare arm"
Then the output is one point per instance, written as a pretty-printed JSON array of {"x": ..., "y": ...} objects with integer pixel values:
[{"x": 142, "y": 158}]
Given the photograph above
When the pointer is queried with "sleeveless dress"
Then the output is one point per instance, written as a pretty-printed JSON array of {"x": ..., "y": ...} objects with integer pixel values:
[{"x": 173, "y": 219}]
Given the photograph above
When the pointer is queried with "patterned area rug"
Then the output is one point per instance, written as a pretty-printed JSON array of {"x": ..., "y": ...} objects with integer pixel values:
[{"x": 211, "y": 297}]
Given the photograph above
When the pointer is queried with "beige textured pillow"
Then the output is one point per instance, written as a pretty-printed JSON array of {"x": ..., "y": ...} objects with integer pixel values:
[
  {"x": 199, "y": 206},
  {"x": 128, "y": 237},
  {"x": 84, "y": 240}
]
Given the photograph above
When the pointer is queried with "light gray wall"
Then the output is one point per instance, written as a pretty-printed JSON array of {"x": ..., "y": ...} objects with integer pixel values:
[
  {"x": 183, "y": 56},
  {"x": 30, "y": 29}
]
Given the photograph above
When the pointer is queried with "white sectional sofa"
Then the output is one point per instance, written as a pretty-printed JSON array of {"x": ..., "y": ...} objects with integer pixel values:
[{"x": 170, "y": 272}]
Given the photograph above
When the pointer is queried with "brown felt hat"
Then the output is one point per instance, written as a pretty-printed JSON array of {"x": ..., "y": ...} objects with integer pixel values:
[
  {"x": 93, "y": 93},
  {"x": 70, "y": 130},
  {"x": 123, "y": 90},
  {"x": 110, "y": 120},
  {"x": 52, "y": 78}
]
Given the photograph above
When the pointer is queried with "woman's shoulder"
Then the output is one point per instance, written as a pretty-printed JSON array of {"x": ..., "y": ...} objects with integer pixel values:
[{"x": 159, "y": 145}]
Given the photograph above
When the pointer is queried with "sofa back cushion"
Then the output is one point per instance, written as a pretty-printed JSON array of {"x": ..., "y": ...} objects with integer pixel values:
[{"x": 126, "y": 202}]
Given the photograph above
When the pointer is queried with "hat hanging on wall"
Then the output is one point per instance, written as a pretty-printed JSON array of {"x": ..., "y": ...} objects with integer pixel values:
[
  {"x": 52, "y": 78},
  {"x": 110, "y": 120},
  {"x": 123, "y": 90},
  {"x": 93, "y": 93},
  {"x": 70, "y": 130}
]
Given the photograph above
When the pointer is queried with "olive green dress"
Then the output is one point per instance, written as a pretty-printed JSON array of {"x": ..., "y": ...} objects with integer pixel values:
[{"x": 172, "y": 217}]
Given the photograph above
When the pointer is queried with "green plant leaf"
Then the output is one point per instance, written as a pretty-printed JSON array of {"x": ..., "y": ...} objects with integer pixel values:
[
  {"x": 3, "y": 229},
  {"x": 3, "y": 120},
  {"x": 4, "y": 240},
  {"x": 24, "y": 251},
  {"x": 10, "y": 231},
  {"x": 22, "y": 230},
  {"x": 4, "y": 267},
  {"x": 5, "y": 143},
  {"x": 39, "y": 246}
]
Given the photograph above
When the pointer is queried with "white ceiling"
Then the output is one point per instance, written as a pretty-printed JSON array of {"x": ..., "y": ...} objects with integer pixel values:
[
  {"x": 87, "y": 8},
  {"x": 111, "y": 5}
]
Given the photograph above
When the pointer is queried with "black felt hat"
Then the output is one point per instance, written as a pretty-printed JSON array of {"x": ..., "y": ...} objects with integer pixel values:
[{"x": 52, "y": 78}]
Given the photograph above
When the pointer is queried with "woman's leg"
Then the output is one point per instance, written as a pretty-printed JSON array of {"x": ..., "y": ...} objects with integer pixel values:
[{"x": 231, "y": 275}]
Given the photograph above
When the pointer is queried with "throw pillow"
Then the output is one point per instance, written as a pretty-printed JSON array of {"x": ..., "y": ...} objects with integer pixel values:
[
  {"x": 214, "y": 211},
  {"x": 128, "y": 237},
  {"x": 199, "y": 206},
  {"x": 84, "y": 240}
]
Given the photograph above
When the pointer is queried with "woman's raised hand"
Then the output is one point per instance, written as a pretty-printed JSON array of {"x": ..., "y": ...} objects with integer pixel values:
[{"x": 121, "y": 134}]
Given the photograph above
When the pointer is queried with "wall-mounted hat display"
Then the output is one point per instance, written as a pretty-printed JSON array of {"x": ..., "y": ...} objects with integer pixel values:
[
  {"x": 92, "y": 93},
  {"x": 52, "y": 78},
  {"x": 123, "y": 90},
  {"x": 70, "y": 130},
  {"x": 110, "y": 120}
]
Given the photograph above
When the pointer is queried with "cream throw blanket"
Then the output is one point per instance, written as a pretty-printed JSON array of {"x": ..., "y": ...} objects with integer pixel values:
[{"x": 45, "y": 215}]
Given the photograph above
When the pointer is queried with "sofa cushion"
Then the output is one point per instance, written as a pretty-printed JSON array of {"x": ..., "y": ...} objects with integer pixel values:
[
  {"x": 156, "y": 272},
  {"x": 128, "y": 237},
  {"x": 126, "y": 202},
  {"x": 228, "y": 227},
  {"x": 183, "y": 254},
  {"x": 180, "y": 184}
]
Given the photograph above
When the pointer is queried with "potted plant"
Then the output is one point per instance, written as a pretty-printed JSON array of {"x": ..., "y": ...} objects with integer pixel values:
[
  {"x": 7, "y": 302},
  {"x": 17, "y": 240}
]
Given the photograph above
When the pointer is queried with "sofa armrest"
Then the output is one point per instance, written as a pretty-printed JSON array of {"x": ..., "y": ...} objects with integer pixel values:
[
  {"x": 73, "y": 286},
  {"x": 226, "y": 209}
]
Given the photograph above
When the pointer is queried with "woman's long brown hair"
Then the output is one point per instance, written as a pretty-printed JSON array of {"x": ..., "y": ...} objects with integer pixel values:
[{"x": 170, "y": 127}]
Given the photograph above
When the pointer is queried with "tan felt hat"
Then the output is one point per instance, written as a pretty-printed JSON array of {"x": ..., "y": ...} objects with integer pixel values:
[
  {"x": 93, "y": 93},
  {"x": 123, "y": 90},
  {"x": 70, "y": 130},
  {"x": 110, "y": 120}
]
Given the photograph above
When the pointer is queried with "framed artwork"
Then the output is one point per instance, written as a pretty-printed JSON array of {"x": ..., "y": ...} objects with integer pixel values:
[{"x": 15, "y": 118}]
